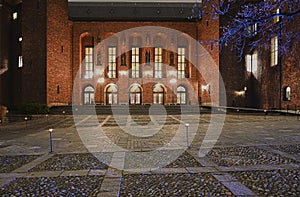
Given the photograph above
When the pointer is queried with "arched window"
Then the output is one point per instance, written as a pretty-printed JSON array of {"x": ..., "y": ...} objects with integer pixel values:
[
  {"x": 181, "y": 95},
  {"x": 287, "y": 94},
  {"x": 88, "y": 95},
  {"x": 158, "y": 94},
  {"x": 135, "y": 94},
  {"x": 112, "y": 95}
]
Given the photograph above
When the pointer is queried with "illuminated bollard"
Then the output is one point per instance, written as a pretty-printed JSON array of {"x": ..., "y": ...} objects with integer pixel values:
[
  {"x": 26, "y": 121},
  {"x": 50, "y": 132},
  {"x": 187, "y": 134},
  {"x": 266, "y": 112}
]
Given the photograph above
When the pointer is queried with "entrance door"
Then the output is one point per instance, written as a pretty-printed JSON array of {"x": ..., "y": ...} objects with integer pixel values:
[
  {"x": 88, "y": 95},
  {"x": 158, "y": 94},
  {"x": 135, "y": 95},
  {"x": 112, "y": 95}
]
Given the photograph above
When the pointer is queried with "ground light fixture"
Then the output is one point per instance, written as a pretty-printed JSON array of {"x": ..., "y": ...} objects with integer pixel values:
[
  {"x": 187, "y": 134},
  {"x": 51, "y": 147},
  {"x": 26, "y": 119}
]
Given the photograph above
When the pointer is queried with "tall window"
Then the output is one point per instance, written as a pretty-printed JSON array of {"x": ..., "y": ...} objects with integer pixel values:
[
  {"x": 158, "y": 94},
  {"x": 20, "y": 63},
  {"x": 251, "y": 62},
  {"x": 112, "y": 62},
  {"x": 135, "y": 62},
  {"x": 181, "y": 62},
  {"x": 181, "y": 95},
  {"x": 89, "y": 63},
  {"x": 277, "y": 18},
  {"x": 88, "y": 95},
  {"x": 112, "y": 95},
  {"x": 135, "y": 95},
  {"x": 274, "y": 51},
  {"x": 158, "y": 62}
]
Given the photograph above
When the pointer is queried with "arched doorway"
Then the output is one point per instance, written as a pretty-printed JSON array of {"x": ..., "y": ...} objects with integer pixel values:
[
  {"x": 88, "y": 95},
  {"x": 112, "y": 95},
  {"x": 135, "y": 95},
  {"x": 181, "y": 95},
  {"x": 158, "y": 94}
]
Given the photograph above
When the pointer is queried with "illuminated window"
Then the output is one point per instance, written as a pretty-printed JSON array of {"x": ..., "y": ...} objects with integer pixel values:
[
  {"x": 252, "y": 29},
  {"x": 112, "y": 95},
  {"x": 20, "y": 39},
  {"x": 181, "y": 62},
  {"x": 181, "y": 95},
  {"x": 135, "y": 62},
  {"x": 251, "y": 62},
  {"x": 15, "y": 15},
  {"x": 158, "y": 62},
  {"x": 88, "y": 95},
  {"x": 158, "y": 94},
  {"x": 287, "y": 94},
  {"x": 277, "y": 18},
  {"x": 112, "y": 62},
  {"x": 274, "y": 51},
  {"x": 135, "y": 95},
  {"x": 88, "y": 72},
  {"x": 20, "y": 63}
]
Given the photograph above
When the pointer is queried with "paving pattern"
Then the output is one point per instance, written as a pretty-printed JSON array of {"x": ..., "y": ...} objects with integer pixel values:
[
  {"x": 12, "y": 162},
  {"x": 253, "y": 156},
  {"x": 57, "y": 186}
]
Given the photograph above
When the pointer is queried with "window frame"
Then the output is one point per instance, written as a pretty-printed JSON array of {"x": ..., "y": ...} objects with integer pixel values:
[
  {"x": 135, "y": 62},
  {"x": 112, "y": 62},
  {"x": 88, "y": 72},
  {"x": 274, "y": 53},
  {"x": 181, "y": 62},
  {"x": 158, "y": 62}
]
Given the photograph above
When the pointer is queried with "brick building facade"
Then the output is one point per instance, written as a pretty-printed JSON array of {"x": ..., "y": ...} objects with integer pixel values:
[{"x": 49, "y": 43}]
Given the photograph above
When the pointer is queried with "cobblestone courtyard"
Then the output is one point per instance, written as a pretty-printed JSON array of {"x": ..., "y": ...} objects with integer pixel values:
[{"x": 253, "y": 156}]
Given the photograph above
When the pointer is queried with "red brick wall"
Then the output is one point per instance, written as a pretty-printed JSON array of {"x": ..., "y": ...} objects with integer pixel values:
[
  {"x": 59, "y": 81},
  {"x": 208, "y": 33},
  {"x": 105, "y": 29},
  {"x": 34, "y": 51}
]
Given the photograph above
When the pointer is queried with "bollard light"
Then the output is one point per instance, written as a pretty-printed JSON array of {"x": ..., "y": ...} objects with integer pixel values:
[
  {"x": 265, "y": 111},
  {"x": 26, "y": 121},
  {"x": 298, "y": 112},
  {"x": 187, "y": 134},
  {"x": 50, "y": 132}
]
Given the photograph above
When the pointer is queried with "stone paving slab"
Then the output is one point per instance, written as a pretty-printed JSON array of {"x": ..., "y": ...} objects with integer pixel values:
[
  {"x": 43, "y": 174},
  {"x": 75, "y": 173}
]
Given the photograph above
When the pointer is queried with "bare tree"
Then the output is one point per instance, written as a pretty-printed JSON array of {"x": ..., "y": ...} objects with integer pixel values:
[{"x": 253, "y": 23}]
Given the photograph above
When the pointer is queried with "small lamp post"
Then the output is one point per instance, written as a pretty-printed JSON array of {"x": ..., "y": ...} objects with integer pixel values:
[
  {"x": 50, "y": 132},
  {"x": 298, "y": 112},
  {"x": 26, "y": 121},
  {"x": 265, "y": 111},
  {"x": 238, "y": 111},
  {"x": 187, "y": 134},
  {"x": 173, "y": 81},
  {"x": 0, "y": 124}
]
